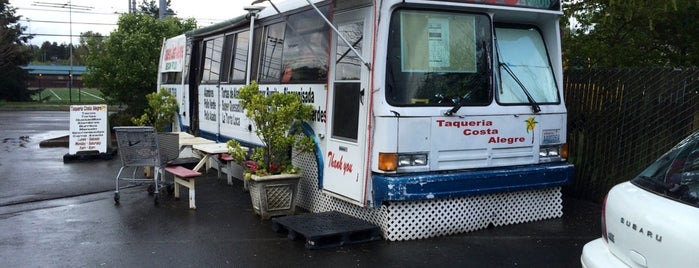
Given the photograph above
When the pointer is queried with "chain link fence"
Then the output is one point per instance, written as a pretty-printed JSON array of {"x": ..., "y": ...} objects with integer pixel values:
[{"x": 621, "y": 120}]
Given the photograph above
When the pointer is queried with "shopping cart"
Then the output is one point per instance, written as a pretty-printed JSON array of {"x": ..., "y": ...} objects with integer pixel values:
[{"x": 141, "y": 147}]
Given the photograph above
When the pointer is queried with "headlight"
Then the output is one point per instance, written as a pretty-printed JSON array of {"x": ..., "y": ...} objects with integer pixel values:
[
  {"x": 411, "y": 160},
  {"x": 550, "y": 153},
  {"x": 405, "y": 161}
]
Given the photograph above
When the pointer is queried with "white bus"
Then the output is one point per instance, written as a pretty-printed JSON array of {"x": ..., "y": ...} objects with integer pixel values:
[{"x": 431, "y": 117}]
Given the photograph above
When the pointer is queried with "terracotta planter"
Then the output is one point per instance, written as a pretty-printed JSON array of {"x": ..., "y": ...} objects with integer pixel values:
[{"x": 274, "y": 195}]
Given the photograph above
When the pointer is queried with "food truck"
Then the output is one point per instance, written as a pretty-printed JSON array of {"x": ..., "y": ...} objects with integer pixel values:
[{"x": 430, "y": 117}]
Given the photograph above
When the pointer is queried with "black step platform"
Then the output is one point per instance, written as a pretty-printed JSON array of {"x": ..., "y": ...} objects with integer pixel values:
[
  {"x": 327, "y": 229},
  {"x": 89, "y": 155}
]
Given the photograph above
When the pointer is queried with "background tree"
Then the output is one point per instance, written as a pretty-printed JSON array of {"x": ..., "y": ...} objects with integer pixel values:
[
  {"x": 151, "y": 8},
  {"x": 53, "y": 53},
  {"x": 125, "y": 65},
  {"x": 14, "y": 53},
  {"x": 616, "y": 33},
  {"x": 88, "y": 40}
]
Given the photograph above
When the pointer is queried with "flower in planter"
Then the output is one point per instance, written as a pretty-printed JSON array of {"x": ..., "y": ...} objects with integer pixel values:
[
  {"x": 277, "y": 118},
  {"x": 252, "y": 166}
]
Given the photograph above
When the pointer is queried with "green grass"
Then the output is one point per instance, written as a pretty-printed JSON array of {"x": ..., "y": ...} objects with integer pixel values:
[
  {"x": 56, "y": 99},
  {"x": 64, "y": 95}
]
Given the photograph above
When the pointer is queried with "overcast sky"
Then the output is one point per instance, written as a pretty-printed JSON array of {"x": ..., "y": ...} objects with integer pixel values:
[{"x": 53, "y": 24}]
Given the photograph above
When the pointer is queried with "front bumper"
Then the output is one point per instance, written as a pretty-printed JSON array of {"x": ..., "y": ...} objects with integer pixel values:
[{"x": 438, "y": 185}]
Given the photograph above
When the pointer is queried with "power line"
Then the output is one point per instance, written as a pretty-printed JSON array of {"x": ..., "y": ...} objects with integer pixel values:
[
  {"x": 57, "y": 35},
  {"x": 118, "y": 13},
  {"x": 29, "y": 20},
  {"x": 59, "y": 5},
  {"x": 74, "y": 11}
]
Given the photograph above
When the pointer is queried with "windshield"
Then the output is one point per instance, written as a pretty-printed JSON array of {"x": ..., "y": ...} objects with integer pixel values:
[
  {"x": 438, "y": 59},
  {"x": 676, "y": 174},
  {"x": 522, "y": 50}
]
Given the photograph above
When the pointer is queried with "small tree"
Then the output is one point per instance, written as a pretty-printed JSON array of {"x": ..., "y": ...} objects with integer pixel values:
[
  {"x": 277, "y": 118},
  {"x": 161, "y": 109}
]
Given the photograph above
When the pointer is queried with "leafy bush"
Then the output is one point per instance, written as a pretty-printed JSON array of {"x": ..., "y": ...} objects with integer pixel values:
[{"x": 162, "y": 106}]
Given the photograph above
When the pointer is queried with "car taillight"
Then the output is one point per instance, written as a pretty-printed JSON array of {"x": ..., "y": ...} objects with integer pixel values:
[{"x": 604, "y": 219}]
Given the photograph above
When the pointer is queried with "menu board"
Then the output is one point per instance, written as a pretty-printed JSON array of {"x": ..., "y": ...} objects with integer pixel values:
[{"x": 88, "y": 128}]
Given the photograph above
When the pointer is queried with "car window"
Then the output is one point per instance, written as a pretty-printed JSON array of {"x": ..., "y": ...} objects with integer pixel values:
[{"x": 675, "y": 175}]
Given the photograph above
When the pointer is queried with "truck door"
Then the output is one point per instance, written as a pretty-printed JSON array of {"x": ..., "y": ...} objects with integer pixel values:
[{"x": 344, "y": 173}]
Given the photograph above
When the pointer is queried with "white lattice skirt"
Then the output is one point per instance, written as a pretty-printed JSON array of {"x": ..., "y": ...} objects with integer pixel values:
[{"x": 407, "y": 220}]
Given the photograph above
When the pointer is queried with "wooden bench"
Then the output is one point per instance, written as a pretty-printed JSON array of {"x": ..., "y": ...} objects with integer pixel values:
[{"x": 185, "y": 177}]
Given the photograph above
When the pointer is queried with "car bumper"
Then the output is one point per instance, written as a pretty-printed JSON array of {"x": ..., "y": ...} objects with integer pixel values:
[{"x": 596, "y": 254}]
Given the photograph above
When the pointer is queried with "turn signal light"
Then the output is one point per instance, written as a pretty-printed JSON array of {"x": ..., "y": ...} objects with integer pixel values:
[
  {"x": 388, "y": 161},
  {"x": 564, "y": 151}
]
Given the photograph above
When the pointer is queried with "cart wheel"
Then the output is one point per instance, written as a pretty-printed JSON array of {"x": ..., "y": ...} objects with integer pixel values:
[
  {"x": 116, "y": 198},
  {"x": 170, "y": 189},
  {"x": 151, "y": 189}
]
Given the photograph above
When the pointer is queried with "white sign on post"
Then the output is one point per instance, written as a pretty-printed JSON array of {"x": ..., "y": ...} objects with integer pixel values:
[{"x": 88, "y": 128}]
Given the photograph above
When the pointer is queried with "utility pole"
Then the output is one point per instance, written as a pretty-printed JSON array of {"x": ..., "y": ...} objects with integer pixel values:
[
  {"x": 69, "y": 5},
  {"x": 70, "y": 46},
  {"x": 162, "y": 9}
]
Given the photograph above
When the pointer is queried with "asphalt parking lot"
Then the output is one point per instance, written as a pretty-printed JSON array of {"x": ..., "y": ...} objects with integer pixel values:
[{"x": 56, "y": 214}]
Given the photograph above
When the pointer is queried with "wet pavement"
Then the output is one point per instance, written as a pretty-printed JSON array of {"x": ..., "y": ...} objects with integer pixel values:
[{"x": 55, "y": 214}]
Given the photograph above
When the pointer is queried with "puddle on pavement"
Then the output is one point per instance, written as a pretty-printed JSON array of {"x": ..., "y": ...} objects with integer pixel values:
[{"x": 21, "y": 141}]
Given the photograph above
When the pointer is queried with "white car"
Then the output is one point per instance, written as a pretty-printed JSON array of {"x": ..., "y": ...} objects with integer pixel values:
[{"x": 652, "y": 220}]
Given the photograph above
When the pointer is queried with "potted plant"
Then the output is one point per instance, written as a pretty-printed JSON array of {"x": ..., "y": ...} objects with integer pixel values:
[{"x": 271, "y": 177}]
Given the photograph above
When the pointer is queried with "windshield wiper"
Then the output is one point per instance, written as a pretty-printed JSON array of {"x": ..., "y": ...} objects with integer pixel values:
[
  {"x": 461, "y": 102},
  {"x": 463, "y": 99},
  {"x": 535, "y": 106},
  {"x": 456, "y": 107},
  {"x": 673, "y": 189}
]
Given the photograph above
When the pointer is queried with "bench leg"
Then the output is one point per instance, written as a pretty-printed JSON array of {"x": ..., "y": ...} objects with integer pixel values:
[
  {"x": 218, "y": 166},
  {"x": 177, "y": 188},
  {"x": 189, "y": 184},
  {"x": 229, "y": 174},
  {"x": 192, "y": 205}
]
